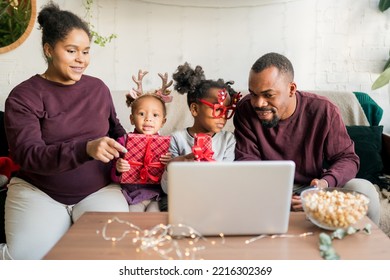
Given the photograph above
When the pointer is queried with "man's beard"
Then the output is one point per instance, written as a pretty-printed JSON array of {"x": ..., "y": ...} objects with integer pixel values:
[{"x": 271, "y": 123}]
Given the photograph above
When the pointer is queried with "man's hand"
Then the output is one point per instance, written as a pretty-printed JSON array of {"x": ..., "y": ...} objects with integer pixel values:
[
  {"x": 296, "y": 203},
  {"x": 319, "y": 183}
]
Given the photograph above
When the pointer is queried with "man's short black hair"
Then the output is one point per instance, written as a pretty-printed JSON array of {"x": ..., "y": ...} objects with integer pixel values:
[{"x": 282, "y": 63}]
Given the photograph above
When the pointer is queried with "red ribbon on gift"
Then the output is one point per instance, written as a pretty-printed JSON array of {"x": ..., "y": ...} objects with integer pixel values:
[
  {"x": 198, "y": 150},
  {"x": 146, "y": 164}
]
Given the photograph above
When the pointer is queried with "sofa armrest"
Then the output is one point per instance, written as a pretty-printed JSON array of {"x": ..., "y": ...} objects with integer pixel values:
[{"x": 386, "y": 153}]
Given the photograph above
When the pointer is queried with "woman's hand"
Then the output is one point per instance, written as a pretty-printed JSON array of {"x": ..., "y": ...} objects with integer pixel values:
[{"x": 104, "y": 149}]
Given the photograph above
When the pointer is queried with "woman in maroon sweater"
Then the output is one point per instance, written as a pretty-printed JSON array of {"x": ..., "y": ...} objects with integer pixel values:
[
  {"x": 278, "y": 122},
  {"x": 61, "y": 127}
]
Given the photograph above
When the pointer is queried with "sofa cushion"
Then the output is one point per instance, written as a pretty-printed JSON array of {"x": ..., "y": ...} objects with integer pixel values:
[
  {"x": 368, "y": 146},
  {"x": 3, "y": 138},
  {"x": 3, "y": 195}
]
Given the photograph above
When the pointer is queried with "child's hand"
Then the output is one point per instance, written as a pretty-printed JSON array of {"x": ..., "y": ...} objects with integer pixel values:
[
  {"x": 188, "y": 157},
  {"x": 164, "y": 159},
  {"x": 122, "y": 165}
]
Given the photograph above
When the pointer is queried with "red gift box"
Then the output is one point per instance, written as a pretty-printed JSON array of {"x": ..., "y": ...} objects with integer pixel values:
[
  {"x": 203, "y": 149},
  {"x": 144, "y": 152}
]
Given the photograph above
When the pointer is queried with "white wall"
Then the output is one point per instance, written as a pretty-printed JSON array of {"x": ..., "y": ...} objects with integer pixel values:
[{"x": 333, "y": 44}]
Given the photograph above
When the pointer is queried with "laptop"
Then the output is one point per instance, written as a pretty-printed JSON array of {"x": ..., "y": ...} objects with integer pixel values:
[{"x": 232, "y": 198}]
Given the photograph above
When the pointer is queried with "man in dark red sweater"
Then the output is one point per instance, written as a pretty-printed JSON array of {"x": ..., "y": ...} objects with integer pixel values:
[{"x": 275, "y": 121}]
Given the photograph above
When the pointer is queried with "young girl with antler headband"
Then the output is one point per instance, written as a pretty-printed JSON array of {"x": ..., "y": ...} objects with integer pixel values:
[
  {"x": 148, "y": 115},
  {"x": 211, "y": 104}
]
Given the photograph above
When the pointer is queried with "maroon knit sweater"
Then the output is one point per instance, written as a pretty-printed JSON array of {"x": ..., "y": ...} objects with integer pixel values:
[
  {"x": 48, "y": 125},
  {"x": 314, "y": 133}
]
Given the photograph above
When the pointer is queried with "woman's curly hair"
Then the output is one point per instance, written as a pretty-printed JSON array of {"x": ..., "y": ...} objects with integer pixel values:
[{"x": 56, "y": 24}]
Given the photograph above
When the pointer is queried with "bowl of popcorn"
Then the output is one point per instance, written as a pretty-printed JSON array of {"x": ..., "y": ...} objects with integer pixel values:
[{"x": 334, "y": 208}]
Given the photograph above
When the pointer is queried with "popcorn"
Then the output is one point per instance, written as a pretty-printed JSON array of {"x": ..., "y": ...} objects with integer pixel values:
[{"x": 334, "y": 209}]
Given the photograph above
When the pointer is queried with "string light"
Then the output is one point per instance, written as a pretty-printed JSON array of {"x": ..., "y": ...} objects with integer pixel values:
[
  {"x": 277, "y": 236},
  {"x": 163, "y": 239}
]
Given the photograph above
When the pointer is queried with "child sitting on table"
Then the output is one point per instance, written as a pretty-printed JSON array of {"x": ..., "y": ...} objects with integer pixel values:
[
  {"x": 211, "y": 104},
  {"x": 148, "y": 115}
]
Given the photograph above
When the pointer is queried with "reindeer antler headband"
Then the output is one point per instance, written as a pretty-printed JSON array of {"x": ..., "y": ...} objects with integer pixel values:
[{"x": 163, "y": 92}]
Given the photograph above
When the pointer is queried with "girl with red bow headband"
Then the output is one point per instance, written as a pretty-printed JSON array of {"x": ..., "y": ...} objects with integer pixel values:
[{"x": 211, "y": 104}]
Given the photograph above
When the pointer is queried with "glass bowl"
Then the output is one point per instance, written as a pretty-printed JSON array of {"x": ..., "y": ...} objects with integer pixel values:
[{"x": 334, "y": 208}]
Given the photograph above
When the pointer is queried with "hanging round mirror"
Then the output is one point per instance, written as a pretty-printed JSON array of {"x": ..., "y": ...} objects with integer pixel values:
[{"x": 17, "y": 18}]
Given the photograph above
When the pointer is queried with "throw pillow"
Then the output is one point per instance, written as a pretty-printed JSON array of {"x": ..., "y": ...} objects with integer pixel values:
[{"x": 368, "y": 146}]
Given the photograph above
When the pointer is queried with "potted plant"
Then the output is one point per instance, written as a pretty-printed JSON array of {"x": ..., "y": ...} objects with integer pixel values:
[{"x": 384, "y": 77}]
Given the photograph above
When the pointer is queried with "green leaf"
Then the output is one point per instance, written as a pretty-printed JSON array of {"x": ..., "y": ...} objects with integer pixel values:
[
  {"x": 325, "y": 247},
  {"x": 325, "y": 239},
  {"x": 352, "y": 230},
  {"x": 330, "y": 254},
  {"x": 383, "y": 5},
  {"x": 96, "y": 37},
  {"x": 367, "y": 229},
  {"x": 382, "y": 80},
  {"x": 327, "y": 251},
  {"x": 387, "y": 65},
  {"x": 339, "y": 233}
]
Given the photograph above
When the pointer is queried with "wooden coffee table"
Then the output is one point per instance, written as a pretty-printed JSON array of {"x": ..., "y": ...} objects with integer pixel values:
[{"x": 84, "y": 241}]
